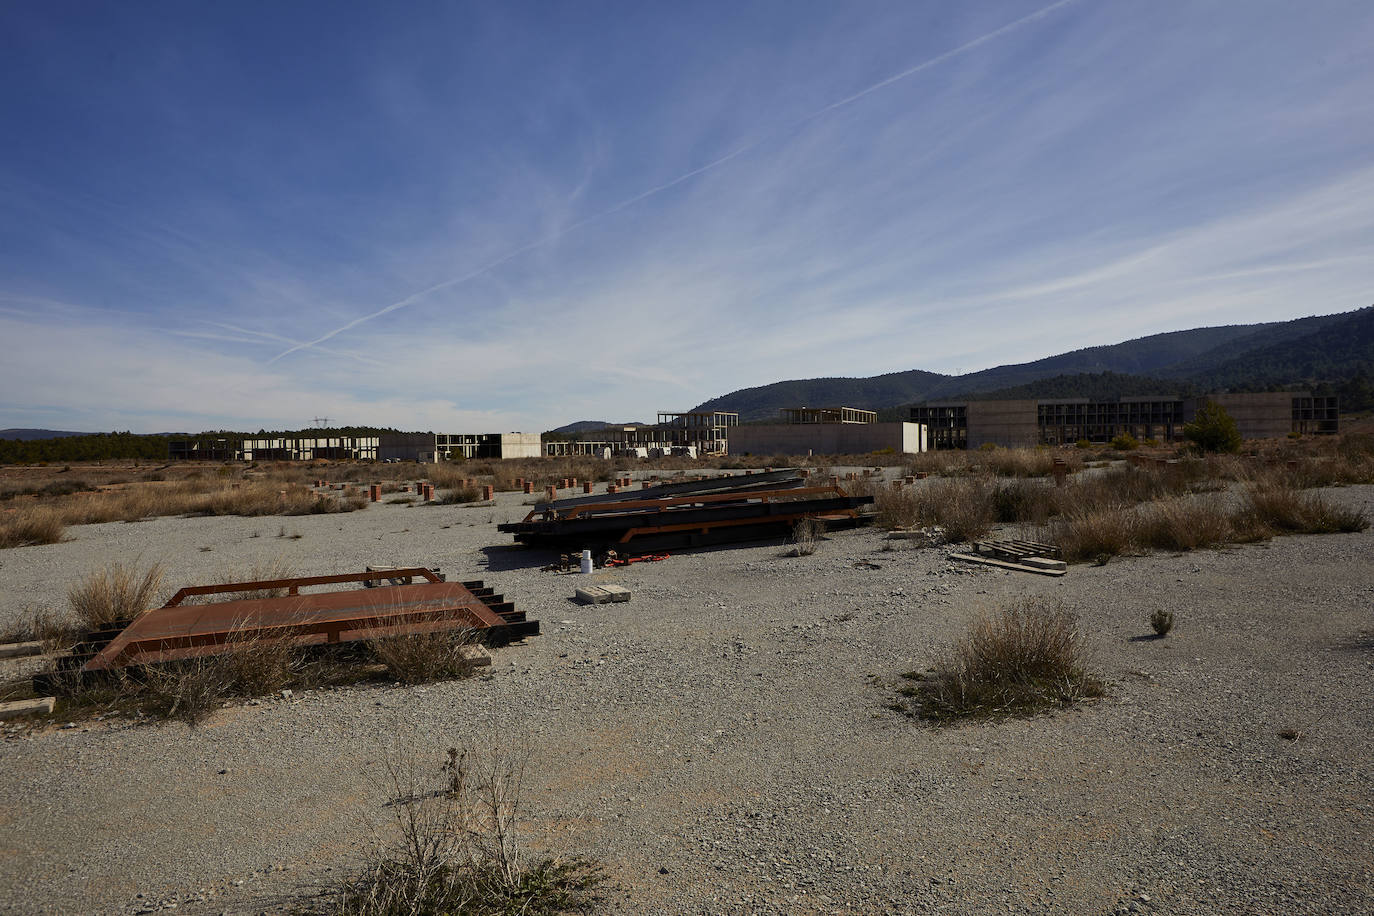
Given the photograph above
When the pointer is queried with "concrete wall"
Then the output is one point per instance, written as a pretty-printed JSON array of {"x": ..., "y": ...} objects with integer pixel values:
[
  {"x": 1265, "y": 415},
  {"x": 521, "y": 445},
  {"x": 826, "y": 438},
  {"x": 407, "y": 446},
  {"x": 1011, "y": 424}
]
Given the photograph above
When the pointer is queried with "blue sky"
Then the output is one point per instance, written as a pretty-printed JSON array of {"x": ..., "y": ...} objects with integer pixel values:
[{"x": 478, "y": 217}]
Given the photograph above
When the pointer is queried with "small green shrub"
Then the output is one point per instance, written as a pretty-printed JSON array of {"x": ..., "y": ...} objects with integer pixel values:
[
  {"x": 1124, "y": 442},
  {"x": 1162, "y": 621},
  {"x": 1213, "y": 429}
]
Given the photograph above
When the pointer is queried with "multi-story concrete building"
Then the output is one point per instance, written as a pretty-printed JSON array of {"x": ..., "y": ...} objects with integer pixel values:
[
  {"x": 693, "y": 434},
  {"x": 827, "y": 431},
  {"x": 1060, "y": 421},
  {"x": 386, "y": 446}
]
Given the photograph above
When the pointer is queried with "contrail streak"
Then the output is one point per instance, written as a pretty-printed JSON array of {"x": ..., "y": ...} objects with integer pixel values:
[{"x": 686, "y": 176}]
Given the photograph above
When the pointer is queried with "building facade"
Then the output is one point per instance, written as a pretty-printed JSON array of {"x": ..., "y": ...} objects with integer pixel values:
[
  {"x": 425, "y": 447},
  {"x": 827, "y": 431},
  {"x": 1064, "y": 421},
  {"x": 692, "y": 434}
]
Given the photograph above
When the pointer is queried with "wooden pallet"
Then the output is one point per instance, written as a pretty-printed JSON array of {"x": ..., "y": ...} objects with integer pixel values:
[{"x": 1016, "y": 550}]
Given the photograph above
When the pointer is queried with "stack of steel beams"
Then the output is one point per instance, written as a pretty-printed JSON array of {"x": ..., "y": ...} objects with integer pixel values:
[{"x": 714, "y": 510}]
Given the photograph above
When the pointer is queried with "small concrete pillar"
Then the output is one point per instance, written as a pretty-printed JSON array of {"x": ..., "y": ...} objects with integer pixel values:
[
  {"x": 572, "y": 482},
  {"x": 520, "y": 483},
  {"x": 921, "y": 475},
  {"x": 488, "y": 493},
  {"x": 551, "y": 492},
  {"x": 834, "y": 480},
  {"x": 374, "y": 492},
  {"x": 586, "y": 486},
  {"x": 1060, "y": 468},
  {"x": 613, "y": 488},
  {"x": 565, "y": 484},
  {"x": 898, "y": 483},
  {"x": 529, "y": 486},
  {"x": 429, "y": 492}
]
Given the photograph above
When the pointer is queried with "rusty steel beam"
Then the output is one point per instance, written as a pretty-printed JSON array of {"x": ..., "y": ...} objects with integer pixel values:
[{"x": 295, "y": 584}]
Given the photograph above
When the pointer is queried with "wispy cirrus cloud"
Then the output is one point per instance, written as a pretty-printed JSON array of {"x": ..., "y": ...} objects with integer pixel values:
[{"x": 595, "y": 215}]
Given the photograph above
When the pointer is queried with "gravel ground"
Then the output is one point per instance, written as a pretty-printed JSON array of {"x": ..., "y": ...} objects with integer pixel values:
[{"x": 722, "y": 743}]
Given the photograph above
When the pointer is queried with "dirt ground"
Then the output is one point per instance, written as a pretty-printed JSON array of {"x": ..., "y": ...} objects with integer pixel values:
[{"x": 722, "y": 742}]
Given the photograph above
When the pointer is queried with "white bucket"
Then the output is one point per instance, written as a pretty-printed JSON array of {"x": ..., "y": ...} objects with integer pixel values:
[{"x": 586, "y": 561}]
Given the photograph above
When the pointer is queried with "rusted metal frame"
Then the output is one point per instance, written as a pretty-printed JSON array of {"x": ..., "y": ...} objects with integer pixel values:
[
  {"x": 126, "y": 648},
  {"x": 761, "y": 496},
  {"x": 294, "y": 584},
  {"x": 730, "y": 523},
  {"x": 165, "y": 649}
]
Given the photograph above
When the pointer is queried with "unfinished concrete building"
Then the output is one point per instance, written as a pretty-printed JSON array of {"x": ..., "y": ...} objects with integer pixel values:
[
  {"x": 1064, "y": 421},
  {"x": 693, "y": 434},
  {"x": 827, "y": 431},
  {"x": 425, "y": 447}
]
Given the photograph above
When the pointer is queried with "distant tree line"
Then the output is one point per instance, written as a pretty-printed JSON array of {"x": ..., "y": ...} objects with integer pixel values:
[{"x": 94, "y": 447}]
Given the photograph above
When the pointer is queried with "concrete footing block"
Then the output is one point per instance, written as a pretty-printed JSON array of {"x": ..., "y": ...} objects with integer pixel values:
[{"x": 602, "y": 594}]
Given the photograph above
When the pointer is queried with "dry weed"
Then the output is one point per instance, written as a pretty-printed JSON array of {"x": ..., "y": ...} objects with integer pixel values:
[
  {"x": 26, "y": 527},
  {"x": 116, "y": 593},
  {"x": 416, "y": 658},
  {"x": 1028, "y": 658}
]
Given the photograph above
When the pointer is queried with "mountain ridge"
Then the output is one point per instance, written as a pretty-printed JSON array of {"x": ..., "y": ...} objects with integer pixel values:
[{"x": 1302, "y": 352}]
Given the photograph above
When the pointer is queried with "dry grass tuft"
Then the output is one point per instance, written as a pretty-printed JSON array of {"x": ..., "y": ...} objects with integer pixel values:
[
  {"x": 1182, "y": 525},
  {"x": 1282, "y": 507},
  {"x": 458, "y": 496},
  {"x": 26, "y": 527},
  {"x": 962, "y": 506},
  {"x": 1026, "y": 659},
  {"x": 1090, "y": 534},
  {"x": 806, "y": 535},
  {"x": 118, "y": 592},
  {"x": 417, "y": 658}
]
